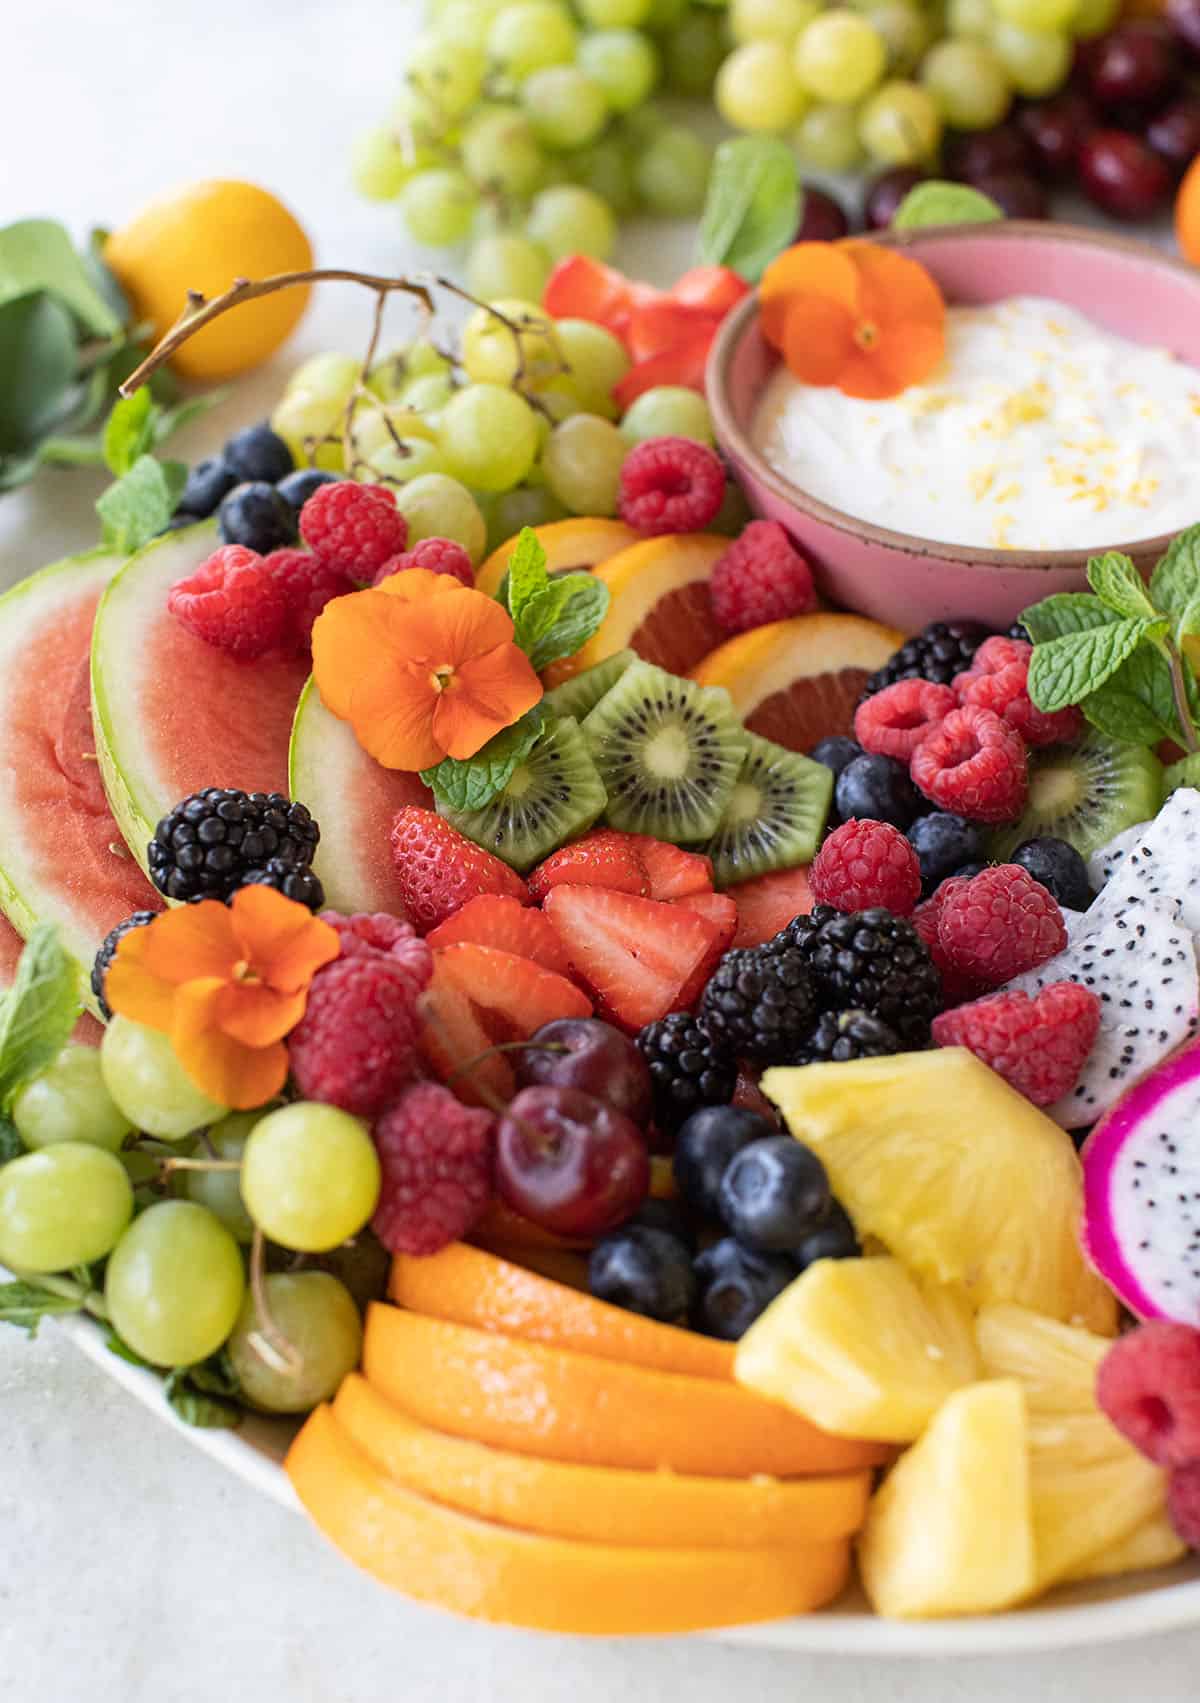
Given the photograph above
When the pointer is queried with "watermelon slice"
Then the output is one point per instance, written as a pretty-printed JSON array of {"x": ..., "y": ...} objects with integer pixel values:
[{"x": 172, "y": 714}]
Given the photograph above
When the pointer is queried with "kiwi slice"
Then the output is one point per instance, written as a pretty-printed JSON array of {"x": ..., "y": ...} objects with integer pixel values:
[
  {"x": 1085, "y": 794},
  {"x": 554, "y": 795},
  {"x": 669, "y": 753},
  {"x": 580, "y": 695},
  {"x": 776, "y": 816}
]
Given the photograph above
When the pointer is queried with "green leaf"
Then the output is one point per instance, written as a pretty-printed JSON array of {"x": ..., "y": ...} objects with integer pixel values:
[
  {"x": 194, "y": 1407},
  {"x": 118, "y": 1346},
  {"x": 939, "y": 203},
  {"x": 1066, "y": 670},
  {"x": 1066, "y": 612},
  {"x": 1118, "y": 584},
  {"x": 527, "y": 574},
  {"x": 216, "y": 1376},
  {"x": 753, "y": 206},
  {"x": 27, "y": 1304},
  {"x": 129, "y": 433},
  {"x": 1137, "y": 704},
  {"x": 137, "y": 507},
  {"x": 11, "y": 1144},
  {"x": 37, "y": 254},
  {"x": 539, "y": 613},
  {"x": 1175, "y": 582},
  {"x": 37, "y": 369},
  {"x": 587, "y": 604},
  {"x": 470, "y": 784},
  {"x": 39, "y": 1012}
]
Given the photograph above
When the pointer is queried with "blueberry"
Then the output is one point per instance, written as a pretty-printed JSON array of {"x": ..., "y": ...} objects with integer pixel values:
[
  {"x": 773, "y": 1194},
  {"x": 299, "y": 486},
  {"x": 878, "y": 788},
  {"x": 943, "y": 843},
  {"x": 258, "y": 517},
  {"x": 704, "y": 1147},
  {"x": 179, "y": 520},
  {"x": 645, "y": 1271},
  {"x": 259, "y": 453},
  {"x": 207, "y": 483},
  {"x": 665, "y": 1215},
  {"x": 833, "y": 1239},
  {"x": 836, "y": 753},
  {"x": 735, "y": 1286},
  {"x": 1059, "y": 867},
  {"x": 968, "y": 871}
]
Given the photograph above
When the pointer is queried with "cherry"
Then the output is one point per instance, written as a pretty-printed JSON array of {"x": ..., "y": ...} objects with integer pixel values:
[
  {"x": 1056, "y": 129},
  {"x": 885, "y": 193},
  {"x": 1184, "y": 19},
  {"x": 824, "y": 218},
  {"x": 570, "y": 1163},
  {"x": 584, "y": 1053},
  {"x": 1017, "y": 193},
  {"x": 1133, "y": 65},
  {"x": 984, "y": 153},
  {"x": 1122, "y": 175},
  {"x": 1175, "y": 132}
]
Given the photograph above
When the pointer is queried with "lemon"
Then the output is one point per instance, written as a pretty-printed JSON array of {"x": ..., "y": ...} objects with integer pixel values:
[{"x": 203, "y": 237}]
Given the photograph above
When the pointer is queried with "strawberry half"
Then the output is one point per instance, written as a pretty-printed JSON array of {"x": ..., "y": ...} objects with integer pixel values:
[
  {"x": 496, "y": 919},
  {"x": 604, "y": 858}
]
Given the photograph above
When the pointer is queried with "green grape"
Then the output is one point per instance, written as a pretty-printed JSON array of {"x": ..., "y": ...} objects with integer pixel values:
[
  {"x": 565, "y": 108},
  {"x": 1037, "y": 61},
  {"x": 567, "y": 220},
  {"x": 399, "y": 367},
  {"x": 527, "y": 505},
  {"x": 310, "y": 1176},
  {"x": 373, "y": 428},
  {"x": 64, "y": 1206},
  {"x": 907, "y": 32},
  {"x": 489, "y": 435},
  {"x": 971, "y": 19},
  {"x": 380, "y": 164},
  {"x": 148, "y": 1083},
  {"x": 221, "y": 1191},
  {"x": 614, "y": 14},
  {"x": 840, "y": 56},
  {"x": 500, "y": 151},
  {"x": 1093, "y": 18},
  {"x": 557, "y": 401},
  {"x": 428, "y": 395},
  {"x": 668, "y": 411},
  {"x": 439, "y": 207},
  {"x": 666, "y": 15},
  {"x": 531, "y": 36},
  {"x": 968, "y": 82},
  {"x": 637, "y": 129},
  {"x": 672, "y": 173},
  {"x": 436, "y": 506},
  {"x": 827, "y": 138},
  {"x": 322, "y": 1328},
  {"x": 606, "y": 168},
  {"x": 446, "y": 76},
  {"x": 312, "y": 406},
  {"x": 622, "y": 63},
  {"x": 582, "y": 464},
  {"x": 692, "y": 54},
  {"x": 507, "y": 266},
  {"x": 770, "y": 20},
  {"x": 758, "y": 89},
  {"x": 174, "y": 1284},
  {"x": 468, "y": 22},
  {"x": 596, "y": 362},
  {"x": 69, "y": 1102},
  {"x": 900, "y": 125},
  {"x": 404, "y": 463},
  {"x": 492, "y": 352},
  {"x": 1047, "y": 15}
]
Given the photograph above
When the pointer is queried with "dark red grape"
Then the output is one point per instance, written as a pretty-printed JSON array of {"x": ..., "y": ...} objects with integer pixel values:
[
  {"x": 1122, "y": 175},
  {"x": 1175, "y": 132},
  {"x": 569, "y": 1162},
  {"x": 1132, "y": 66},
  {"x": 1056, "y": 129},
  {"x": 885, "y": 193},
  {"x": 1184, "y": 19},
  {"x": 1017, "y": 193},
  {"x": 583, "y": 1052},
  {"x": 824, "y": 218},
  {"x": 983, "y": 153}
]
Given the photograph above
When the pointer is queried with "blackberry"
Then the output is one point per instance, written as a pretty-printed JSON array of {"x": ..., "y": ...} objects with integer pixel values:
[
  {"x": 760, "y": 1004},
  {"x": 939, "y": 652},
  {"x": 298, "y": 884},
  {"x": 210, "y": 842},
  {"x": 685, "y": 1072},
  {"x": 868, "y": 961},
  {"x": 108, "y": 951},
  {"x": 843, "y": 1035}
]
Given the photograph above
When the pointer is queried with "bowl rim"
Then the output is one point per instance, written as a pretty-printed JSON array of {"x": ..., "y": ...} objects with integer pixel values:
[{"x": 736, "y": 444}]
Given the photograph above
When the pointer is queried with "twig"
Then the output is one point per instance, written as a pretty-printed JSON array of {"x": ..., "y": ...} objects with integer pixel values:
[
  {"x": 1182, "y": 707},
  {"x": 268, "y": 1341}
]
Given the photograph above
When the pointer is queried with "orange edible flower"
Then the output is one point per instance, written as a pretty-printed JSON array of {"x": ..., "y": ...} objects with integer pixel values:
[
  {"x": 854, "y": 314},
  {"x": 422, "y": 667},
  {"x": 226, "y": 983}
]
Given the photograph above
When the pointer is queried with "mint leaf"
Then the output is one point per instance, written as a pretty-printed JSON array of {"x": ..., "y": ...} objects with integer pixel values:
[
  {"x": 138, "y": 506},
  {"x": 38, "y": 1012},
  {"x": 206, "y": 1412},
  {"x": 527, "y": 574},
  {"x": 1066, "y": 670},
  {"x": 37, "y": 254},
  {"x": 130, "y": 432},
  {"x": 939, "y": 203},
  {"x": 25, "y": 1305},
  {"x": 753, "y": 207},
  {"x": 37, "y": 372},
  {"x": 539, "y": 613},
  {"x": 216, "y": 1376},
  {"x": 1175, "y": 582},
  {"x": 1066, "y": 612},
  {"x": 469, "y": 784},
  {"x": 1118, "y": 584},
  {"x": 11, "y": 1144},
  {"x": 585, "y": 608}
]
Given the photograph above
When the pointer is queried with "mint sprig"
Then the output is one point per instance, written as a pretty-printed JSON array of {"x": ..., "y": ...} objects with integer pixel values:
[
  {"x": 470, "y": 784},
  {"x": 754, "y": 205},
  {"x": 138, "y": 505},
  {"x": 939, "y": 203}
]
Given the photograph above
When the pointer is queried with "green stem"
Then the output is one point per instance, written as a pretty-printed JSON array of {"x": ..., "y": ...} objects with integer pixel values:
[
  {"x": 1182, "y": 708},
  {"x": 88, "y": 1300}
]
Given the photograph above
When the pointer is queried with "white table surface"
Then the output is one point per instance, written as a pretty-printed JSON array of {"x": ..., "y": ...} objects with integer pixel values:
[{"x": 132, "y": 1569}]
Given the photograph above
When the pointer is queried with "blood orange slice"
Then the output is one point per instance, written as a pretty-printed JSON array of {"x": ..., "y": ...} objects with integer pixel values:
[
  {"x": 569, "y": 544},
  {"x": 660, "y": 605}
]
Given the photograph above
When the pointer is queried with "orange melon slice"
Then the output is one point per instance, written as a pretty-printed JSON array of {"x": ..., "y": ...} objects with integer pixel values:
[
  {"x": 660, "y": 605},
  {"x": 568, "y": 544}
]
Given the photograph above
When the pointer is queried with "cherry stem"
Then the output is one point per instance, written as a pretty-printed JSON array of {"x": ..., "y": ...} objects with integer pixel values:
[
  {"x": 490, "y": 1099},
  {"x": 506, "y": 1047},
  {"x": 268, "y": 1341}
]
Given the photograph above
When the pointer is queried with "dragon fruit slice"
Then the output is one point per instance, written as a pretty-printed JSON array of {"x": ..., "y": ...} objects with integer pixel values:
[
  {"x": 1164, "y": 867},
  {"x": 1142, "y": 964},
  {"x": 1141, "y": 1170},
  {"x": 1103, "y": 864}
]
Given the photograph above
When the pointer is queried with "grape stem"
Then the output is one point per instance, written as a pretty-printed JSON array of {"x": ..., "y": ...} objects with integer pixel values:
[
  {"x": 169, "y": 1165},
  {"x": 89, "y": 1300},
  {"x": 268, "y": 1341}
]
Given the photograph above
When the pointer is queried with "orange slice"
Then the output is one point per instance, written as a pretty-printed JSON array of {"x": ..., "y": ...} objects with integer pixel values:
[
  {"x": 560, "y": 1265},
  {"x": 799, "y": 681},
  {"x": 567, "y": 543},
  {"x": 471, "y": 1287},
  {"x": 488, "y": 1572},
  {"x": 660, "y": 605},
  {"x": 656, "y": 1510},
  {"x": 500, "y": 1223},
  {"x": 576, "y": 1407}
]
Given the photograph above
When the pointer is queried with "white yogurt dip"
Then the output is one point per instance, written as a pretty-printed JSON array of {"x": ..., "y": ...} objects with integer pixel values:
[{"x": 1039, "y": 431}]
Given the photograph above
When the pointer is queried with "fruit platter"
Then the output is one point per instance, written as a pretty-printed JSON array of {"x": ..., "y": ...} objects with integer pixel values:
[{"x": 599, "y": 915}]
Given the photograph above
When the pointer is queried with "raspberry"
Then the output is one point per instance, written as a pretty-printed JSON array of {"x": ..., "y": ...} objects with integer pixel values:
[
  {"x": 1038, "y": 1046},
  {"x": 436, "y": 1158},
  {"x": 308, "y": 584},
  {"x": 671, "y": 485},
  {"x": 1149, "y": 1386},
  {"x": 436, "y": 556},
  {"x": 761, "y": 577},
  {"x": 356, "y": 1045},
  {"x": 232, "y": 603},
  {"x": 999, "y": 924},
  {"x": 998, "y": 680},
  {"x": 866, "y": 863},
  {"x": 1183, "y": 1503},
  {"x": 368, "y": 935},
  {"x": 894, "y": 721},
  {"x": 973, "y": 765},
  {"x": 956, "y": 988},
  {"x": 438, "y": 869},
  {"x": 353, "y": 528}
]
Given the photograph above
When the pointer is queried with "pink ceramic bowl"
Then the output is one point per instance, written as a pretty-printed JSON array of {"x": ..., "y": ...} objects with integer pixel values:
[{"x": 906, "y": 581}]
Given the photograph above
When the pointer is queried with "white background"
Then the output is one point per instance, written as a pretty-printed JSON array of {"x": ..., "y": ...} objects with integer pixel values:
[{"x": 132, "y": 1570}]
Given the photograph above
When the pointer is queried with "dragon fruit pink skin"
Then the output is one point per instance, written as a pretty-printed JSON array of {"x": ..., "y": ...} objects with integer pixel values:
[{"x": 1141, "y": 1179}]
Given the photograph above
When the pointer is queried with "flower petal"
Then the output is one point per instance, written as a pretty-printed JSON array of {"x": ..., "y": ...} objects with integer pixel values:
[
  {"x": 806, "y": 269},
  {"x": 895, "y": 289},
  {"x": 445, "y": 631},
  {"x": 490, "y": 693},
  {"x": 393, "y": 719},
  {"x": 187, "y": 943},
  {"x": 229, "y": 1072},
  {"x": 135, "y": 992},
  {"x": 818, "y": 339},
  {"x": 284, "y": 944},
  {"x": 257, "y": 1016},
  {"x": 414, "y": 585},
  {"x": 357, "y": 639}
]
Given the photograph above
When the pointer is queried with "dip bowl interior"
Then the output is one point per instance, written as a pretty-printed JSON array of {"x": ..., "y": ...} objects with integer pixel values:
[{"x": 1123, "y": 285}]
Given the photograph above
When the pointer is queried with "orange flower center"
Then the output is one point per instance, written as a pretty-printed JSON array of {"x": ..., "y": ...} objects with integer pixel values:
[
  {"x": 442, "y": 679},
  {"x": 866, "y": 334}
]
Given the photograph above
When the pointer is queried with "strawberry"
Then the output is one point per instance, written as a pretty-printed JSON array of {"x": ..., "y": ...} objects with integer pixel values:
[
  {"x": 452, "y": 1033},
  {"x": 603, "y": 858},
  {"x": 496, "y": 919},
  {"x": 637, "y": 956},
  {"x": 714, "y": 289},
  {"x": 582, "y": 288},
  {"x": 722, "y": 912},
  {"x": 769, "y": 902},
  {"x": 684, "y": 364},
  {"x": 511, "y": 995},
  {"x": 672, "y": 872},
  {"x": 438, "y": 869},
  {"x": 662, "y": 326}
]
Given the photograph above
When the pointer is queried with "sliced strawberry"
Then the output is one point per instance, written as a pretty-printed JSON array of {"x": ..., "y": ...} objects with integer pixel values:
[
  {"x": 665, "y": 324},
  {"x": 511, "y": 994},
  {"x": 495, "y": 919},
  {"x": 637, "y": 956},
  {"x": 604, "y": 858},
  {"x": 673, "y": 872},
  {"x": 682, "y": 365},
  {"x": 721, "y": 911},
  {"x": 581, "y": 288},
  {"x": 452, "y": 1033},
  {"x": 769, "y": 902},
  {"x": 715, "y": 289}
]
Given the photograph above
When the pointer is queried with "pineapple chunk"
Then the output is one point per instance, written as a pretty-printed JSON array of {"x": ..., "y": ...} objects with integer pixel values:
[
  {"x": 1153, "y": 1544},
  {"x": 861, "y": 1349},
  {"x": 1080, "y": 1514},
  {"x": 1056, "y": 1363},
  {"x": 950, "y": 1532},
  {"x": 958, "y": 1174}
]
